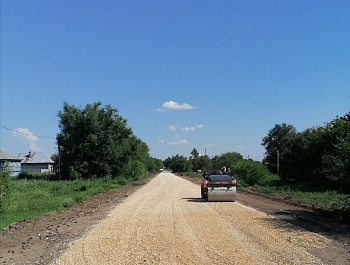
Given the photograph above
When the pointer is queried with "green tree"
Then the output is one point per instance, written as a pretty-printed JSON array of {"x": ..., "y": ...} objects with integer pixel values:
[
  {"x": 274, "y": 143},
  {"x": 96, "y": 142},
  {"x": 198, "y": 162},
  {"x": 154, "y": 165},
  {"x": 134, "y": 169},
  {"x": 315, "y": 157},
  {"x": 301, "y": 155},
  {"x": 203, "y": 163},
  {"x": 337, "y": 160},
  {"x": 178, "y": 163},
  {"x": 194, "y": 153},
  {"x": 54, "y": 158},
  {"x": 229, "y": 159}
]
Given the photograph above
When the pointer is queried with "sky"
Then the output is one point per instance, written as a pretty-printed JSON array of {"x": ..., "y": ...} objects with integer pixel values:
[{"x": 210, "y": 75}]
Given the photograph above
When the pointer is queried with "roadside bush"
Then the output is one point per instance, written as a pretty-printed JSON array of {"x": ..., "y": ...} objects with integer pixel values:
[
  {"x": 134, "y": 169},
  {"x": 37, "y": 176},
  {"x": 72, "y": 174},
  {"x": 250, "y": 172},
  {"x": 5, "y": 189}
]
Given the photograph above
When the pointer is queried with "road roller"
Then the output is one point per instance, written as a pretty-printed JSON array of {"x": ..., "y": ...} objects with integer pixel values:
[{"x": 218, "y": 187}]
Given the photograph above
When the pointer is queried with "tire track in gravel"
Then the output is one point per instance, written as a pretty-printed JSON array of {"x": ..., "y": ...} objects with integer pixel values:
[{"x": 166, "y": 222}]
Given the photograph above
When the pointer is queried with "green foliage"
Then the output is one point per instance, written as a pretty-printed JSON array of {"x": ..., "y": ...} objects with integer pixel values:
[
  {"x": 301, "y": 156},
  {"x": 273, "y": 143},
  {"x": 153, "y": 165},
  {"x": 37, "y": 176},
  {"x": 192, "y": 174},
  {"x": 178, "y": 164},
  {"x": 339, "y": 164},
  {"x": 134, "y": 169},
  {"x": 199, "y": 163},
  {"x": 250, "y": 172},
  {"x": 317, "y": 157},
  {"x": 95, "y": 142},
  {"x": 202, "y": 163},
  {"x": 72, "y": 173},
  {"x": 194, "y": 154},
  {"x": 158, "y": 164},
  {"x": 329, "y": 199},
  {"x": 55, "y": 158},
  {"x": 5, "y": 189},
  {"x": 230, "y": 160}
]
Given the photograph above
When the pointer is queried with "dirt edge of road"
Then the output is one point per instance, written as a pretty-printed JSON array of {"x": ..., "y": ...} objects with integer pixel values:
[{"x": 43, "y": 239}]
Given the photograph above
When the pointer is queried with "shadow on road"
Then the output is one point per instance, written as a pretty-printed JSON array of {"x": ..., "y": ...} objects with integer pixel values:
[
  {"x": 195, "y": 199},
  {"x": 306, "y": 220},
  {"x": 204, "y": 200}
]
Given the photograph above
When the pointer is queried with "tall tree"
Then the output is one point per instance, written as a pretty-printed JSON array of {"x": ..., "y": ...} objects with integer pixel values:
[
  {"x": 194, "y": 153},
  {"x": 96, "y": 142},
  {"x": 198, "y": 162},
  {"x": 337, "y": 160},
  {"x": 301, "y": 156},
  {"x": 273, "y": 144}
]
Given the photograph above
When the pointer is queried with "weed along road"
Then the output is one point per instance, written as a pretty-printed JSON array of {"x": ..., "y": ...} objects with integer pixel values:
[{"x": 166, "y": 222}]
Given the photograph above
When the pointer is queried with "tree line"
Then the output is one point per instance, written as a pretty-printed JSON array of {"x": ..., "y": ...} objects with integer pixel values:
[
  {"x": 317, "y": 157},
  {"x": 248, "y": 171},
  {"x": 96, "y": 142}
]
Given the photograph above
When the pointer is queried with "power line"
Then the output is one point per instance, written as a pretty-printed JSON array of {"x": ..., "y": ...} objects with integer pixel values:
[{"x": 47, "y": 137}]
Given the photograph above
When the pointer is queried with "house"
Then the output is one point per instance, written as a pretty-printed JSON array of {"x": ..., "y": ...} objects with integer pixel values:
[
  {"x": 37, "y": 162},
  {"x": 12, "y": 162}
]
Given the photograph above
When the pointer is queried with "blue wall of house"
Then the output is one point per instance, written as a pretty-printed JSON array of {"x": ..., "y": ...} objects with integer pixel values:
[{"x": 15, "y": 167}]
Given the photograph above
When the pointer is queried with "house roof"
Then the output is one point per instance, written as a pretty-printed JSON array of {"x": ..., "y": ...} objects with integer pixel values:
[
  {"x": 7, "y": 156},
  {"x": 36, "y": 158}
]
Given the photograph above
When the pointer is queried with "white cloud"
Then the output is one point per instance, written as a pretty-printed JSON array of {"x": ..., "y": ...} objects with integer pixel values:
[
  {"x": 172, "y": 105},
  {"x": 160, "y": 140},
  {"x": 193, "y": 128},
  {"x": 24, "y": 132},
  {"x": 172, "y": 127},
  {"x": 27, "y": 135},
  {"x": 179, "y": 142},
  {"x": 188, "y": 129},
  {"x": 183, "y": 142}
]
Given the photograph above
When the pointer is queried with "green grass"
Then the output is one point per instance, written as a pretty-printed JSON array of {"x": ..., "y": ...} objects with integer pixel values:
[
  {"x": 329, "y": 199},
  {"x": 191, "y": 174},
  {"x": 33, "y": 198}
]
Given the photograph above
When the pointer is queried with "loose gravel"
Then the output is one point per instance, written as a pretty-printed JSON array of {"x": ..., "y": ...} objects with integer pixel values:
[{"x": 164, "y": 222}]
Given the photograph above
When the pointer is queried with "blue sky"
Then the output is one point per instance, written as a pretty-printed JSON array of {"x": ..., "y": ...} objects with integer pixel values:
[{"x": 210, "y": 75}]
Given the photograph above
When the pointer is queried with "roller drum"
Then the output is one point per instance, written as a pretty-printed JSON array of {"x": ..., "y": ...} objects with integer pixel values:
[{"x": 219, "y": 194}]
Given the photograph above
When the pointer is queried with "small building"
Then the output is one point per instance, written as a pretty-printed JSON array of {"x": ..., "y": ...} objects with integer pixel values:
[
  {"x": 11, "y": 162},
  {"x": 38, "y": 162}
]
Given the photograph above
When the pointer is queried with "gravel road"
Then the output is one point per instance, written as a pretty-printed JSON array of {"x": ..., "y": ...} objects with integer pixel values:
[{"x": 165, "y": 222}]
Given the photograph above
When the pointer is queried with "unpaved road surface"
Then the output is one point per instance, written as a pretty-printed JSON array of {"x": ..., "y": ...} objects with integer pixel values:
[{"x": 166, "y": 222}]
